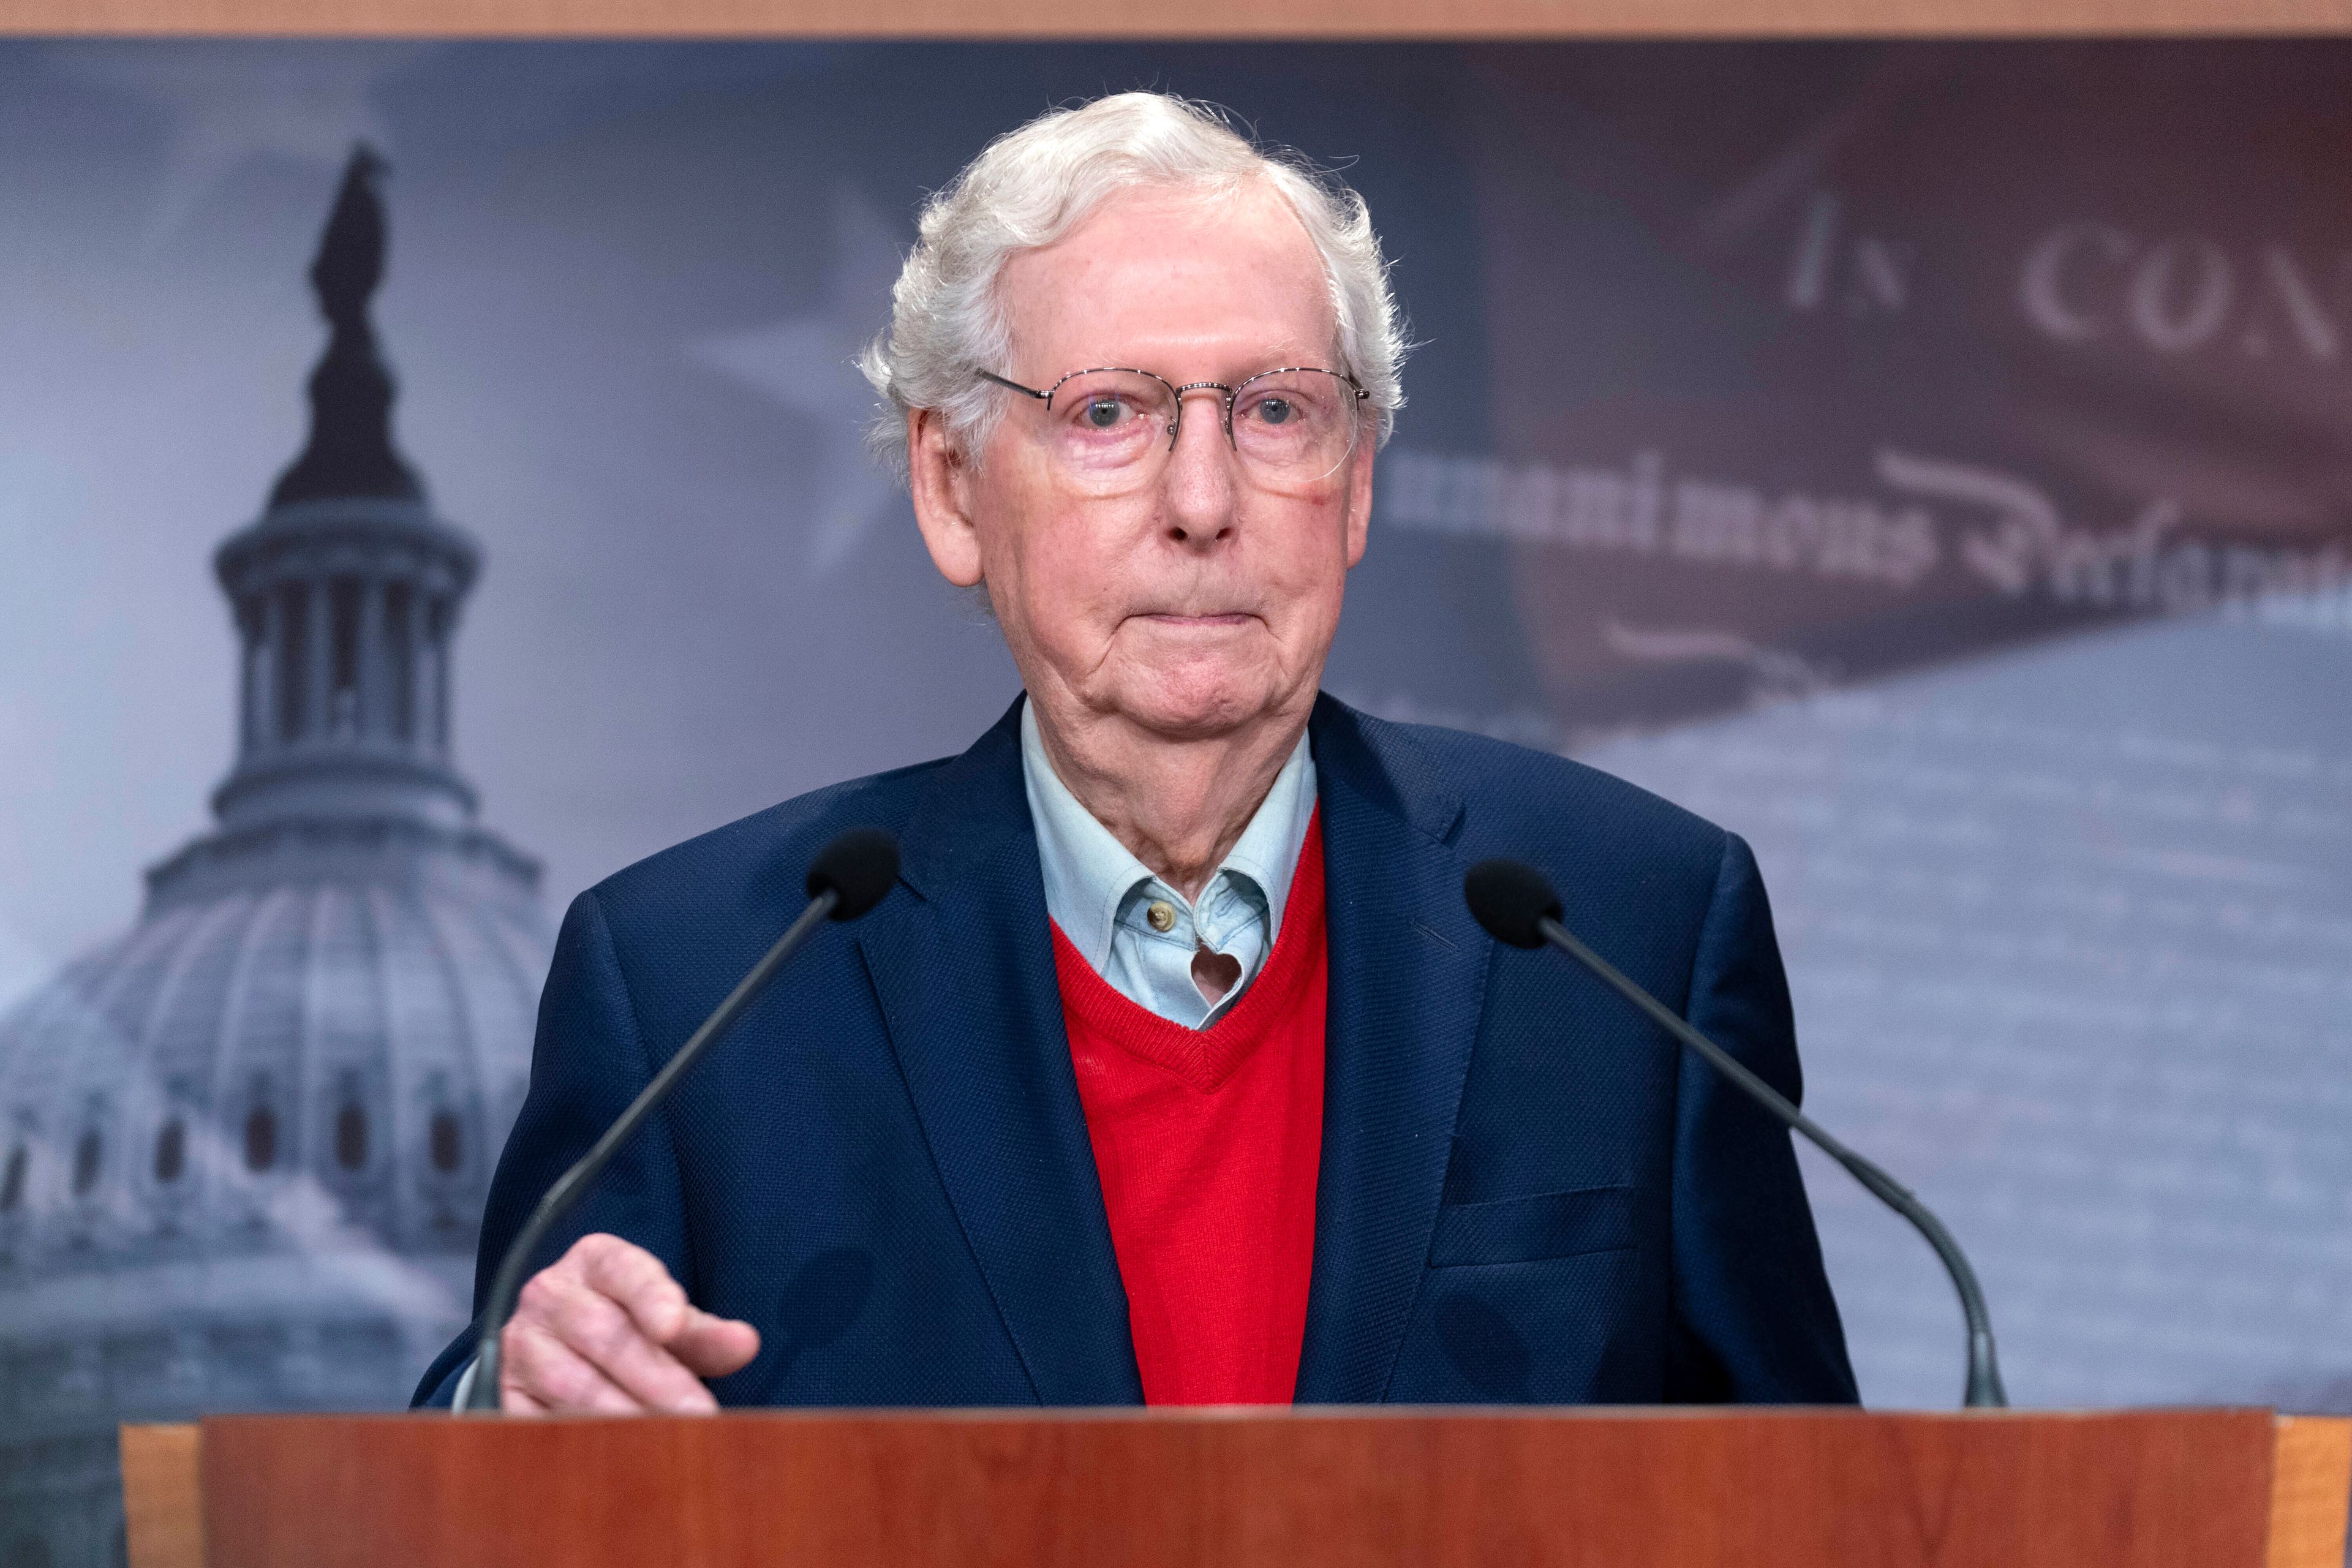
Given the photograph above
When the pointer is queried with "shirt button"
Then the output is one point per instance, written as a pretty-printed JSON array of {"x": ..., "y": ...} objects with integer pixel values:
[{"x": 1161, "y": 914}]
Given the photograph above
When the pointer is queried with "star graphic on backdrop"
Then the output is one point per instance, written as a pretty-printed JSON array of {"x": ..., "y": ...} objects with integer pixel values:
[
  {"x": 804, "y": 361},
  {"x": 230, "y": 102}
]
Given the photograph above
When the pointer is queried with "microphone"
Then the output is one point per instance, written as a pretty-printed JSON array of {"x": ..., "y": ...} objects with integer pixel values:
[
  {"x": 1518, "y": 907},
  {"x": 848, "y": 876}
]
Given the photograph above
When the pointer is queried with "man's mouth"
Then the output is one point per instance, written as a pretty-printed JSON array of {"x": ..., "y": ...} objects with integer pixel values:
[{"x": 1177, "y": 618}]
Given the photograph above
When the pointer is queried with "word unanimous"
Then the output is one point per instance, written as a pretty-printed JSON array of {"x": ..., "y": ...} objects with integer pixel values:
[{"x": 2000, "y": 530}]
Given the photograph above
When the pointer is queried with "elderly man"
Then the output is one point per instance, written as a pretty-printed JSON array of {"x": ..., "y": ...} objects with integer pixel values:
[{"x": 1174, "y": 1070}]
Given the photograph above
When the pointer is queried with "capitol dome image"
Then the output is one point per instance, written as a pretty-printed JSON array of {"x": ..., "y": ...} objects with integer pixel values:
[{"x": 245, "y": 1148}]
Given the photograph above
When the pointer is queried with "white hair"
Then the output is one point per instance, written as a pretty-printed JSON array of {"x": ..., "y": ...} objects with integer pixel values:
[{"x": 1031, "y": 186}]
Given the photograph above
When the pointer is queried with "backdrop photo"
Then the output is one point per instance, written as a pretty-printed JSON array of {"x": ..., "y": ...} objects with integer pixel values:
[{"x": 1931, "y": 462}]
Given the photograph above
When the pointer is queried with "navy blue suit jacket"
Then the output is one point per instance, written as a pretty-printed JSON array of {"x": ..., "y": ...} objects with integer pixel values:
[{"x": 1528, "y": 1193}]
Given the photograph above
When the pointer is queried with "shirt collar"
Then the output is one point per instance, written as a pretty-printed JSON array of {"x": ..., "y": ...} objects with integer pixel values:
[{"x": 1088, "y": 872}]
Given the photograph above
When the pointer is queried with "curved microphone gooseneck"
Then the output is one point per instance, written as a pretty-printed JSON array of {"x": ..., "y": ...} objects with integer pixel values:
[
  {"x": 848, "y": 876},
  {"x": 1518, "y": 907}
]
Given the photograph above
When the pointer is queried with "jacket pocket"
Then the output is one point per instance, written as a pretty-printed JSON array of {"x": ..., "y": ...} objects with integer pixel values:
[{"x": 1522, "y": 1230}]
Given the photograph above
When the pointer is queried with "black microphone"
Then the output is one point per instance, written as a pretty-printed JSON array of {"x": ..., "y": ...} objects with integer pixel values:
[
  {"x": 848, "y": 876},
  {"x": 1518, "y": 906}
]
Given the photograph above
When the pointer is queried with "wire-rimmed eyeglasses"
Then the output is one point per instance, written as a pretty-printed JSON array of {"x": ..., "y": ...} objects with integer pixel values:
[{"x": 1292, "y": 425}]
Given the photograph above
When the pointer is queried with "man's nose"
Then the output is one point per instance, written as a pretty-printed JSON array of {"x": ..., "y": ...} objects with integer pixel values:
[{"x": 1200, "y": 473}]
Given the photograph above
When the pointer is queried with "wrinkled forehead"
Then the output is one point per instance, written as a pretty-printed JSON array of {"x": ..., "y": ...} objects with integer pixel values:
[{"x": 1184, "y": 282}]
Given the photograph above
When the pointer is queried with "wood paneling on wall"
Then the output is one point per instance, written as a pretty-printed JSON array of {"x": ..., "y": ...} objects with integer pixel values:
[{"x": 1190, "y": 19}]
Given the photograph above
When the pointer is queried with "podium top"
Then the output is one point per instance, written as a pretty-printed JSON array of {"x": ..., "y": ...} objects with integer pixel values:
[{"x": 1279, "y": 1487}]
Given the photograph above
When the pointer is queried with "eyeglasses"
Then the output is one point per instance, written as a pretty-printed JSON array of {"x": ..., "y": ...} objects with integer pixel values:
[{"x": 1291, "y": 428}]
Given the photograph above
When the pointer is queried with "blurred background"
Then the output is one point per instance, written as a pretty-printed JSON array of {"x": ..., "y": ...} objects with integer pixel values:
[{"x": 1932, "y": 461}]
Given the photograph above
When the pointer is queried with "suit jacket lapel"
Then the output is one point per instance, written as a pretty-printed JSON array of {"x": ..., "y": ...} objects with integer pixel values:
[
  {"x": 1407, "y": 986},
  {"x": 965, "y": 973}
]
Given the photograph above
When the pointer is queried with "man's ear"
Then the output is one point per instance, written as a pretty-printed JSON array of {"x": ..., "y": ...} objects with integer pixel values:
[
  {"x": 941, "y": 481},
  {"x": 1360, "y": 497}
]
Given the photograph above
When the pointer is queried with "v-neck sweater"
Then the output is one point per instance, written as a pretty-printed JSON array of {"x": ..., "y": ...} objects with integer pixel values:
[{"x": 1207, "y": 1143}]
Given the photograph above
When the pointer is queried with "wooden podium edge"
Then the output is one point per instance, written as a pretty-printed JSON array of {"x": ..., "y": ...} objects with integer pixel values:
[
  {"x": 164, "y": 1495},
  {"x": 2311, "y": 1490},
  {"x": 2311, "y": 1493}
]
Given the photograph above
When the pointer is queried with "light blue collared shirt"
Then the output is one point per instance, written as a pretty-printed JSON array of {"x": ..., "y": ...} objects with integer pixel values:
[{"x": 1102, "y": 897}]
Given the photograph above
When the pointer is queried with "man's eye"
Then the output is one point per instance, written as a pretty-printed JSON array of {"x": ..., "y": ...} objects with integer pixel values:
[
  {"x": 1102, "y": 413},
  {"x": 1275, "y": 411}
]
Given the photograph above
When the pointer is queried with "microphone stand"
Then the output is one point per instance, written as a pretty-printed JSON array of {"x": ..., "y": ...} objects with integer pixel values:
[
  {"x": 1984, "y": 1390},
  {"x": 850, "y": 876}
]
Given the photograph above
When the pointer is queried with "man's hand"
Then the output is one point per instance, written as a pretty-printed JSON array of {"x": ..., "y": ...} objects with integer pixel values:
[{"x": 605, "y": 1329}]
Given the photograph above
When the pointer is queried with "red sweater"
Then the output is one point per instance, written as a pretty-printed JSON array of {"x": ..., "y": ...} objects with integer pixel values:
[{"x": 1207, "y": 1143}]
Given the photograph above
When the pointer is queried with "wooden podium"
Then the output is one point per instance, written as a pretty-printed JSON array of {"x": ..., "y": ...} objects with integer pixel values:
[{"x": 1276, "y": 1488}]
